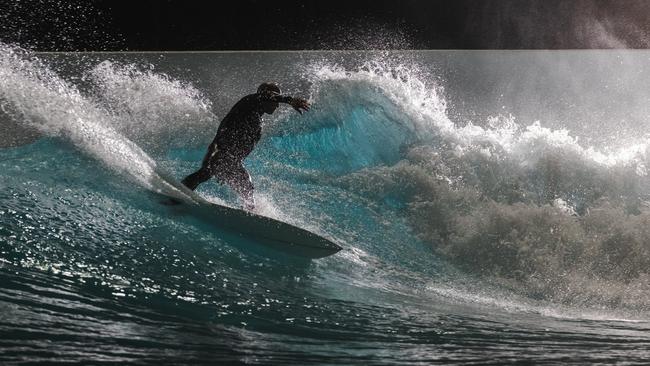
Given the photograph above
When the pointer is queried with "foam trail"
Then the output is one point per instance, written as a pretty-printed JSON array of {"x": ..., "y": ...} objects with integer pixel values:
[
  {"x": 152, "y": 109},
  {"x": 43, "y": 100},
  {"x": 36, "y": 96}
]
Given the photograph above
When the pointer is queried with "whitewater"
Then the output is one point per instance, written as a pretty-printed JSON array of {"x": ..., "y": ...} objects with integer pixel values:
[{"x": 493, "y": 207}]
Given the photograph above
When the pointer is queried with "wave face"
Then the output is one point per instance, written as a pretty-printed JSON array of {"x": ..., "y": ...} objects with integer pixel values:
[{"x": 468, "y": 226}]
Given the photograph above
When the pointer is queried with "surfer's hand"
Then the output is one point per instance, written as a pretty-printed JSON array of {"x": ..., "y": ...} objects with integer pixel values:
[{"x": 300, "y": 105}]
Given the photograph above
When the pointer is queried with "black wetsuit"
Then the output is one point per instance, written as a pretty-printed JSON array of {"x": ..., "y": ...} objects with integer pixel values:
[{"x": 236, "y": 137}]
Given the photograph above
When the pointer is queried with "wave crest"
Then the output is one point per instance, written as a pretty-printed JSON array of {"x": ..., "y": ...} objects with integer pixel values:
[{"x": 526, "y": 207}]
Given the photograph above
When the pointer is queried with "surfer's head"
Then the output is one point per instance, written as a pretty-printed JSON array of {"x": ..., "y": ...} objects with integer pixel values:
[{"x": 269, "y": 90}]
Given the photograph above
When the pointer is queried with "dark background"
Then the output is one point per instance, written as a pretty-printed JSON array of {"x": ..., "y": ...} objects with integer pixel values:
[{"x": 120, "y": 25}]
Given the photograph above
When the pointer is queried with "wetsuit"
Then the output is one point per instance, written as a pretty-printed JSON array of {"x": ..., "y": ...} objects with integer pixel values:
[{"x": 236, "y": 137}]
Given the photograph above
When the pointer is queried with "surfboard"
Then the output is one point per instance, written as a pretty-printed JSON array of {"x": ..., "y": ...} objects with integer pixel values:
[{"x": 263, "y": 230}]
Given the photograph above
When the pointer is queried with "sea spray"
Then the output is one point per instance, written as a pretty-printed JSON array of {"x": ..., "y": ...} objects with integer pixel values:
[
  {"x": 526, "y": 207},
  {"x": 36, "y": 96},
  {"x": 151, "y": 108}
]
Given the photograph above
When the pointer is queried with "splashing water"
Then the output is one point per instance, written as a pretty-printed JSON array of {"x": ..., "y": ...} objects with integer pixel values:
[
  {"x": 37, "y": 96},
  {"x": 527, "y": 207},
  {"x": 151, "y": 109},
  {"x": 453, "y": 231}
]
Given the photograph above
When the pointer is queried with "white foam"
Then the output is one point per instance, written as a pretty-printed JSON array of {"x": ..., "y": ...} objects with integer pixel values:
[
  {"x": 149, "y": 107},
  {"x": 37, "y": 96},
  {"x": 537, "y": 208}
]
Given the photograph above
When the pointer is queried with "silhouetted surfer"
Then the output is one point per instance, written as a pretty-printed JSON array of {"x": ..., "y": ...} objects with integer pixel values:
[{"x": 236, "y": 137}]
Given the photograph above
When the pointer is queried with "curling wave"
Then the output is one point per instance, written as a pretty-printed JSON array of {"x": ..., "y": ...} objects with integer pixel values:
[{"x": 527, "y": 209}]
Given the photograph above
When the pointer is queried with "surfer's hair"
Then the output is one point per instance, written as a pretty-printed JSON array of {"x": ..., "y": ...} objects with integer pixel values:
[{"x": 268, "y": 88}]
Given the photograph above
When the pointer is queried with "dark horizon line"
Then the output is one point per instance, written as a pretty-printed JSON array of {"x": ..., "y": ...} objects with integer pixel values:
[{"x": 355, "y": 50}]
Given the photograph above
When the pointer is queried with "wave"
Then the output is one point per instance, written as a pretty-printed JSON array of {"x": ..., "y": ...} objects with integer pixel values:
[
  {"x": 528, "y": 209},
  {"x": 525, "y": 207}
]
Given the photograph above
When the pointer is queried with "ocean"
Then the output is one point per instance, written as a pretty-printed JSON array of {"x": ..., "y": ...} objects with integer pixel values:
[{"x": 493, "y": 207}]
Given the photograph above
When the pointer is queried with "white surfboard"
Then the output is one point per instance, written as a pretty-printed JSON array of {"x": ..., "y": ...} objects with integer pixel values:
[{"x": 261, "y": 229}]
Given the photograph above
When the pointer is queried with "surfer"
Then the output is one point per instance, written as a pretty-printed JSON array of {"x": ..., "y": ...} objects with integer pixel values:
[{"x": 236, "y": 137}]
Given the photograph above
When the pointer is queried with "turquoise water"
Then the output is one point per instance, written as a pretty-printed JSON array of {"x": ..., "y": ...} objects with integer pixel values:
[{"x": 480, "y": 224}]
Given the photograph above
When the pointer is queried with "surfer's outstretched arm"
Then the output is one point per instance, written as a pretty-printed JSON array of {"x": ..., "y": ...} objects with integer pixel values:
[{"x": 299, "y": 104}]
